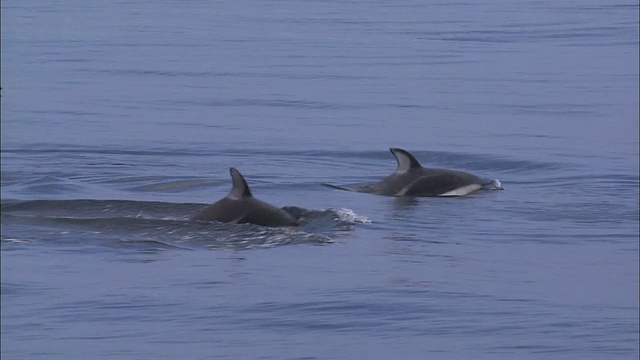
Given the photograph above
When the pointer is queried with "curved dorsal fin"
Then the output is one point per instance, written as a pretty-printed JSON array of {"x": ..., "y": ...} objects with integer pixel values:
[
  {"x": 240, "y": 188},
  {"x": 405, "y": 160}
]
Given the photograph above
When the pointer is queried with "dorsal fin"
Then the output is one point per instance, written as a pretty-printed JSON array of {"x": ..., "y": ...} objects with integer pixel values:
[
  {"x": 240, "y": 188},
  {"x": 405, "y": 160}
]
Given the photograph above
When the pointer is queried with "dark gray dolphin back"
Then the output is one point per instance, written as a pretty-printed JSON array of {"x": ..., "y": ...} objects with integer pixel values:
[{"x": 239, "y": 206}]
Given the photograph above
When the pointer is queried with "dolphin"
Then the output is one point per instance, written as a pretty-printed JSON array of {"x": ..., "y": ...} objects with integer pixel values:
[
  {"x": 411, "y": 179},
  {"x": 240, "y": 207}
]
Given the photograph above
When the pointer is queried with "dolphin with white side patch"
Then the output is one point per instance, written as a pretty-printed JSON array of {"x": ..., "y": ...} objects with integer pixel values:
[{"x": 411, "y": 179}]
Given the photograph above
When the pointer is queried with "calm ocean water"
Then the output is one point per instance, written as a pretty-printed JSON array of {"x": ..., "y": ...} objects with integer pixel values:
[{"x": 120, "y": 120}]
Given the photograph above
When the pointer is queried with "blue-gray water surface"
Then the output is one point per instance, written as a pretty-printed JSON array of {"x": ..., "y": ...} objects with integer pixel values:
[{"x": 120, "y": 120}]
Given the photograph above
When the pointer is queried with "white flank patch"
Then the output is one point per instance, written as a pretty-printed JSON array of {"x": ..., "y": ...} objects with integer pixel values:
[{"x": 462, "y": 191}]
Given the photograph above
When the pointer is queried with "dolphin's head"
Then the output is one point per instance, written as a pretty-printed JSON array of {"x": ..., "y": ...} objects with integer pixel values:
[{"x": 495, "y": 184}]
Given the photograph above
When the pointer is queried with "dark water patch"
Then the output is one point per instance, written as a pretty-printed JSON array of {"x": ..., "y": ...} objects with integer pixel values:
[
  {"x": 87, "y": 208},
  {"x": 50, "y": 186},
  {"x": 274, "y": 103},
  {"x": 88, "y": 115},
  {"x": 548, "y": 109},
  {"x": 144, "y": 245},
  {"x": 135, "y": 179},
  {"x": 154, "y": 73},
  {"x": 592, "y": 34},
  {"x": 227, "y": 74},
  {"x": 175, "y": 185}
]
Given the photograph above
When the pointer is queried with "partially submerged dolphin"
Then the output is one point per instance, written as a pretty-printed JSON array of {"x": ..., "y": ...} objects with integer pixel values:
[
  {"x": 411, "y": 179},
  {"x": 240, "y": 207}
]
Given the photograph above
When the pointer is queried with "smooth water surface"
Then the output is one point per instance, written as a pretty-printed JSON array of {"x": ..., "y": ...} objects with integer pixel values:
[{"x": 121, "y": 119}]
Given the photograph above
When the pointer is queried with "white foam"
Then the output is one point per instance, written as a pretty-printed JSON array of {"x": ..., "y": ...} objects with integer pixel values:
[{"x": 349, "y": 216}]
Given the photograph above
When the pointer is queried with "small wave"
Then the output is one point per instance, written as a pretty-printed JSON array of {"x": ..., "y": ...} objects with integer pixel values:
[
  {"x": 15, "y": 240},
  {"x": 174, "y": 185}
]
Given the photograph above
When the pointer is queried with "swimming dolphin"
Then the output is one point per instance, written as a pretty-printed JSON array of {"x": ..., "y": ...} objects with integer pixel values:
[
  {"x": 240, "y": 207},
  {"x": 411, "y": 179}
]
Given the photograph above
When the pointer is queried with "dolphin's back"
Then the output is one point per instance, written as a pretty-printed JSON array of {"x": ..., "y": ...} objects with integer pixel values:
[
  {"x": 261, "y": 213},
  {"x": 240, "y": 207},
  {"x": 391, "y": 185},
  {"x": 412, "y": 179},
  {"x": 246, "y": 211},
  {"x": 442, "y": 182}
]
